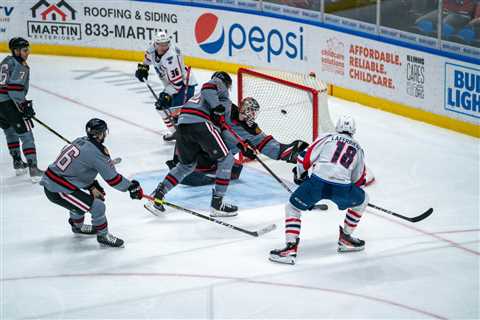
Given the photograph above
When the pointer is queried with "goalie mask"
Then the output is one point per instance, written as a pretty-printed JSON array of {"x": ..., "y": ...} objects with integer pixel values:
[{"x": 248, "y": 110}]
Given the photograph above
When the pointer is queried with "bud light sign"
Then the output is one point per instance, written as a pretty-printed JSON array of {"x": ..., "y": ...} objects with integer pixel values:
[
  {"x": 212, "y": 35},
  {"x": 462, "y": 90}
]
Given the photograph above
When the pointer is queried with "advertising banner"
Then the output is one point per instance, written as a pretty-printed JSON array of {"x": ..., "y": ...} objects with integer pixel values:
[{"x": 418, "y": 79}]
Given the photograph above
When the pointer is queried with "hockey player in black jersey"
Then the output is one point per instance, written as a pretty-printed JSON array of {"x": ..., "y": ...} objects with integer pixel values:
[
  {"x": 16, "y": 111},
  {"x": 242, "y": 121},
  {"x": 199, "y": 127},
  {"x": 75, "y": 170}
]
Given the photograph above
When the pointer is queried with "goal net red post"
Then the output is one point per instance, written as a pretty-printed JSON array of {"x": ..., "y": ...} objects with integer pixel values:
[{"x": 292, "y": 105}]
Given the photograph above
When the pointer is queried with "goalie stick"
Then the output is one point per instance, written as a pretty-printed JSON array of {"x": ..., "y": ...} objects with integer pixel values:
[
  {"x": 283, "y": 184},
  {"x": 256, "y": 233},
  {"x": 418, "y": 218}
]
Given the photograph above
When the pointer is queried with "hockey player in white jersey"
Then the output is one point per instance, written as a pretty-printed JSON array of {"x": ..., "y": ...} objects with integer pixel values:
[
  {"x": 178, "y": 80},
  {"x": 332, "y": 168}
]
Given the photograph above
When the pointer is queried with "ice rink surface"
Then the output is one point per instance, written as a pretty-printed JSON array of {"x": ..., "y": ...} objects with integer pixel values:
[{"x": 180, "y": 266}]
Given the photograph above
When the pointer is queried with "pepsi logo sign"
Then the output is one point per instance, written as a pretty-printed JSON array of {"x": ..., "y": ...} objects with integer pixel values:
[{"x": 211, "y": 35}]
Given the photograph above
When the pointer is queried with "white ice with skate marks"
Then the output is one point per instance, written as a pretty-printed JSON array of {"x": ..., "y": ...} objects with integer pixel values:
[{"x": 185, "y": 267}]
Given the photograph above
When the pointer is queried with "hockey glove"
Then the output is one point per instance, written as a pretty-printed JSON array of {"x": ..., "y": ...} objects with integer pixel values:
[
  {"x": 164, "y": 101},
  {"x": 136, "y": 191},
  {"x": 247, "y": 150},
  {"x": 218, "y": 115},
  {"x": 97, "y": 191},
  {"x": 299, "y": 179},
  {"x": 142, "y": 72},
  {"x": 26, "y": 107}
]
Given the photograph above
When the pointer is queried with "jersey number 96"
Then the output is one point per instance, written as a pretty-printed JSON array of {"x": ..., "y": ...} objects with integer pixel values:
[{"x": 65, "y": 158}]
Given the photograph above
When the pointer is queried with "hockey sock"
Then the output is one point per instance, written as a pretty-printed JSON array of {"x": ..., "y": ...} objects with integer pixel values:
[
  {"x": 99, "y": 220},
  {"x": 352, "y": 218},
  {"x": 176, "y": 175},
  {"x": 223, "y": 174},
  {"x": 28, "y": 146},
  {"x": 77, "y": 219},
  {"x": 168, "y": 120},
  {"x": 293, "y": 223},
  {"x": 13, "y": 142}
]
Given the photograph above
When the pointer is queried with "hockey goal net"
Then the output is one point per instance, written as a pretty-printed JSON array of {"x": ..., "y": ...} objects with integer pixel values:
[{"x": 292, "y": 106}]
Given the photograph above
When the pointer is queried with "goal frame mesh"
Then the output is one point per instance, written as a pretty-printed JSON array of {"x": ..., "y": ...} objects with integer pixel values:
[{"x": 268, "y": 77}]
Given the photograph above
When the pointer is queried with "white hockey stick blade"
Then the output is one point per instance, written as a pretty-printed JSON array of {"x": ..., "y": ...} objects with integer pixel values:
[
  {"x": 267, "y": 229},
  {"x": 117, "y": 160}
]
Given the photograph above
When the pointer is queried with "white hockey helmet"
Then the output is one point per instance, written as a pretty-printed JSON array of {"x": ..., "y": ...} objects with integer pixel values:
[
  {"x": 346, "y": 124},
  {"x": 160, "y": 38}
]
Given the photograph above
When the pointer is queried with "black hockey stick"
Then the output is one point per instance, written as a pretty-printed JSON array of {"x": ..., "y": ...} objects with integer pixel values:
[
  {"x": 418, "y": 218},
  {"x": 225, "y": 224},
  {"x": 115, "y": 161},
  {"x": 51, "y": 130},
  {"x": 283, "y": 184},
  {"x": 169, "y": 115}
]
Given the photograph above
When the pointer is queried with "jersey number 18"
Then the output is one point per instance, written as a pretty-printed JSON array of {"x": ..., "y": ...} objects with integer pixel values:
[{"x": 347, "y": 155}]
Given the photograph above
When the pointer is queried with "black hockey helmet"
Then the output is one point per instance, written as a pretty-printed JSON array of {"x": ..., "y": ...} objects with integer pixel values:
[
  {"x": 225, "y": 77},
  {"x": 96, "y": 128},
  {"x": 18, "y": 43}
]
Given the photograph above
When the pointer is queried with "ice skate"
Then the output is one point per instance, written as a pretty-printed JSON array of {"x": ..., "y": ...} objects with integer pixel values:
[
  {"x": 109, "y": 240},
  {"x": 221, "y": 209},
  {"x": 35, "y": 173},
  {"x": 87, "y": 229},
  {"x": 286, "y": 255},
  {"x": 20, "y": 166},
  {"x": 347, "y": 243},
  {"x": 170, "y": 137}
]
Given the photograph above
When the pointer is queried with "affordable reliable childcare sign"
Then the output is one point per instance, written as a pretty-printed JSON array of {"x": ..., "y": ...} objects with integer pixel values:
[{"x": 462, "y": 90}]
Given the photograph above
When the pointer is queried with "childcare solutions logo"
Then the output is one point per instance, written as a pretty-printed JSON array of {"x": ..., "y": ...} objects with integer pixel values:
[
  {"x": 462, "y": 90},
  {"x": 211, "y": 35},
  {"x": 51, "y": 21}
]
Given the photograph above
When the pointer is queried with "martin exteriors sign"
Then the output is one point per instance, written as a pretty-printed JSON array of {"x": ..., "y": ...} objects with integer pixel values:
[{"x": 53, "y": 20}]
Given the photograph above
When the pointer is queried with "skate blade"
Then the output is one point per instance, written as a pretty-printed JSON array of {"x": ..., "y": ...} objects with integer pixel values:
[
  {"x": 106, "y": 246},
  {"x": 349, "y": 249},
  {"x": 221, "y": 214},
  {"x": 35, "y": 179},
  {"x": 150, "y": 208},
  {"x": 284, "y": 260},
  {"x": 82, "y": 235},
  {"x": 20, "y": 172}
]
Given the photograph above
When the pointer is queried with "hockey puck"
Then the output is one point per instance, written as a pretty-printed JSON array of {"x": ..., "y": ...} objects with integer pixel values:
[{"x": 283, "y": 111}]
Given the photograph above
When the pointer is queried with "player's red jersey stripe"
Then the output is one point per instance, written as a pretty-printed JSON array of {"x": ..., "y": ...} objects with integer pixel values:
[
  {"x": 195, "y": 112},
  {"x": 59, "y": 180},
  {"x": 210, "y": 86},
  {"x": 306, "y": 160},
  {"x": 264, "y": 142},
  {"x": 116, "y": 180}
]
